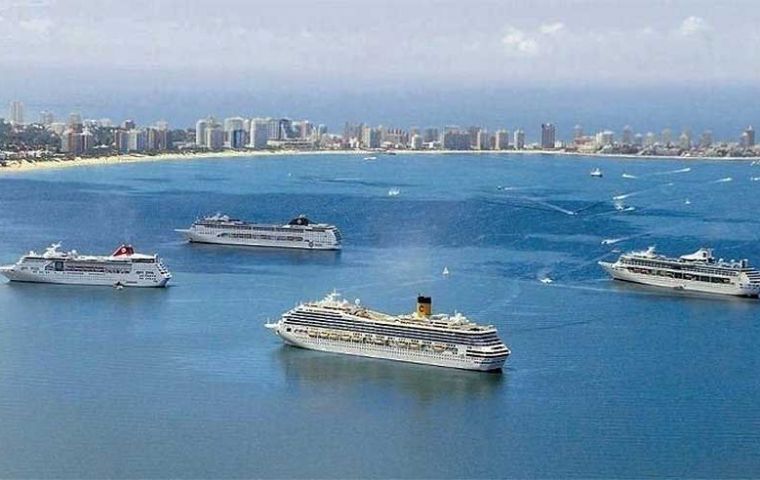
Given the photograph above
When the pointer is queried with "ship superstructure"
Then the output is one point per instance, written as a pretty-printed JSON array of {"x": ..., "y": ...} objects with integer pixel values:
[
  {"x": 699, "y": 272},
  {"x": 123, "y": 268},
  {"x": 299, "y": 233},
  {"x": 336, "y": 325}
]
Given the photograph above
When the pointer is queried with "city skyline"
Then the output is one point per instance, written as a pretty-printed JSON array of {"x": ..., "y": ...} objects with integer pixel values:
[{"x": 76, "y": 135}]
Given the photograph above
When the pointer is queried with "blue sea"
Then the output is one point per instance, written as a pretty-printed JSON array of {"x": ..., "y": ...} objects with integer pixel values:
[{"x": 605, "y": 379}]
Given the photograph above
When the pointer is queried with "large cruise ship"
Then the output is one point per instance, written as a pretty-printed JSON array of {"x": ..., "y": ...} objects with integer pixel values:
[
  {"x": 123, "y": 268},
  {"x": 299, "y": 233},
  {"x": 698, "y": 272},
  {"x": 336, "y": 325}
]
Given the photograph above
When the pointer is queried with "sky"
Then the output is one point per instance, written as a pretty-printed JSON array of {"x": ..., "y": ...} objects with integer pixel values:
[{"x": 81, "y": 52}]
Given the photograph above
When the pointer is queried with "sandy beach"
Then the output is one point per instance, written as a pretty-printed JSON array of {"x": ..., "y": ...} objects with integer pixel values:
[{"x": 31, "y": 165}]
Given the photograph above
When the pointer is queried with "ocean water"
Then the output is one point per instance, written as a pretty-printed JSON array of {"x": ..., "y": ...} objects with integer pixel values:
[{"x": 605, "y": 380}]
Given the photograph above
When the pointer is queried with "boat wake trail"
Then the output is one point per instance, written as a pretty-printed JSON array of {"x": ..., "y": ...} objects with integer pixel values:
[
  {"x": 723, "y": 180},
  {"x": 639, "y": 192},
  {"x": 628, "y": 175},
  {"x": 671, "y": 172}
]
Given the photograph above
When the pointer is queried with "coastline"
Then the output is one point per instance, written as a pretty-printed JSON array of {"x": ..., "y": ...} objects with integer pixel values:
[{"x": 31, "y": 165}]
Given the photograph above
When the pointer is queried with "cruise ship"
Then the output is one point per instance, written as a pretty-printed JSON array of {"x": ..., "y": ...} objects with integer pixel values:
[
  {"x": 299, "y": 233},
  {"x": 336, "y": 325},
  {"x": 123, "y": 268},
  {"x": 698, "y": 272}
]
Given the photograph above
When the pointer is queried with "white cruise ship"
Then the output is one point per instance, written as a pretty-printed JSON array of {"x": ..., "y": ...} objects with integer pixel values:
[
  {"x": 336, "y": 325},
  {"x": 298, "y": 233},
  {"x": 123, "y": 268},
  {"x": 698, "y": 272}
]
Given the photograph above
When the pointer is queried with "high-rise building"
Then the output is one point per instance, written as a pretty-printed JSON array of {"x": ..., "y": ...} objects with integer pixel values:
[
  {"x": 430, "y": 134},
  {"x": 71, "y": 142},
  {"x": 483, "y": 140},
  {"x": 214, "y": 137},
  {"x": 395, "y": 136},
  {"x": 519, "y": 139},
  {"x": 137, "y": 141},
  {"x": 605, "y": 138},
  {"x": 259, "y": 133},
  {"x": 706, "y": 140},
  {"x": 200, "y": 131},
  {"x": 128, "y": 125},
  {"x": 121, "y": 140},
  {"x": 75, "y": 120},
  {"x": 16, "y": 113},
  {"x": 627, "y": 138},
  {"x": 577, "y": 132},
  {"x": 416, "y": 142},
  {"x": 650, "y": 139},
  {"x": 548, "y": 135},
  {"x": 156, "y": 139},
  {"x": 88, "y": 141},
  {"x": 748, "y": 137},
  {"x": 473, "y": 132},
  {"x": 371, "y": 137},
  {"x": 638, "y": 140},
  {"x": 162, "y": 125},
  {"x": 501, "y": 140},
  {"x": 684, "y": 140},
  {"x": 46, "y": 118},
  {"x": 455, "y": 139},
  {"x": 234, "y": 132}
]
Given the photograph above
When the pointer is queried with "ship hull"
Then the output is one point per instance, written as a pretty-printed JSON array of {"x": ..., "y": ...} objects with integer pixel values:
[
  {"x": 621, "y": 273},
  {"x": 386, "y": 352},
  {"x": 195, "y": 237},
  {"x": 90, "y": 279}
]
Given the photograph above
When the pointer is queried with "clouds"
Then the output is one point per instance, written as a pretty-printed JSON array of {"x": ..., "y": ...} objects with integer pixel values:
[
  {"x": 363, "y": 42},
  {"x": 37, "y": 26},
  {"x": 693, "y": 26},
  {"x": 516, "y": 42},
  {"x": 551, "y": 28}
]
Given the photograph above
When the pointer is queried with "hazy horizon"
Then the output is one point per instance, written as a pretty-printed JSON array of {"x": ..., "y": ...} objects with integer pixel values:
[{"x": 504, "y": 63}]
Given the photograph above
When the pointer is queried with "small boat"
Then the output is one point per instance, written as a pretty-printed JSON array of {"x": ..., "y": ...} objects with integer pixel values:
[
  {"x": 596, "y": 173},
  {"x": 445, "y": 271},
  {"x": 546, "y": 280},
  {"x": 394, "y": 192},
  {"x": 687, "y": 202},
  {"x": 370, "y": 158}
]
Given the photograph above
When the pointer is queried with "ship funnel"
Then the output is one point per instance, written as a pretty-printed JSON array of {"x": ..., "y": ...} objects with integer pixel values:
[{"x": 424, "y": 306}]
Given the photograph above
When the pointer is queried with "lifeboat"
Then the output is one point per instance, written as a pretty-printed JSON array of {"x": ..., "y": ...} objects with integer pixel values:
[
  {"x": 345, "y": 337},
  {"x": 313, "y": 333},
  {"x": 323, "y": 334}
]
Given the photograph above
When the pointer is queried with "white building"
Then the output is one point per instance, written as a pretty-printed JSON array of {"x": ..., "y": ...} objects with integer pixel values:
[
  {"x": 200, "y": 131},
  {"x": 259, "y": 133},
  {"x": 416, "y": 142},
  {"x": 214, "y": 137},
  {"x": 605, "y": 138},
  {"x": 501, "y": 140},
  {"x": 16, "y": 112},
  {"x": 519, "y": 139},
  {"x": 483, "y": 140},
  {"x": 627, "y": 138}
]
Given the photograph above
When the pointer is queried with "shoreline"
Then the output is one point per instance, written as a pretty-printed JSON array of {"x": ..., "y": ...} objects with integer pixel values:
[{"x": 31, "y": 165}]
